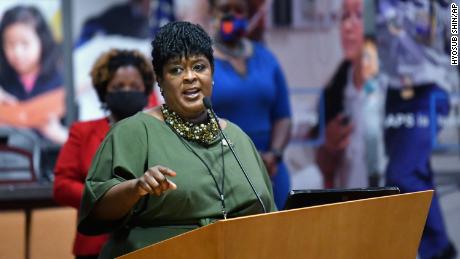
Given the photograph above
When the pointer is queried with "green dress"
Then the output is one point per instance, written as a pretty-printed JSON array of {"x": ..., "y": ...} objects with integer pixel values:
[{"x": 142, "y": 141}]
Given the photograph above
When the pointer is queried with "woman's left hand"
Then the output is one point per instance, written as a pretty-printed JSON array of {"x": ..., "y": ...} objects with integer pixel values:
[{"x": 270, "y": 162}]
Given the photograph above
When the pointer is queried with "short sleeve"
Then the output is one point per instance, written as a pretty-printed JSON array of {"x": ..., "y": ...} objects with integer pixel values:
[{"x": 122, "y": 156}]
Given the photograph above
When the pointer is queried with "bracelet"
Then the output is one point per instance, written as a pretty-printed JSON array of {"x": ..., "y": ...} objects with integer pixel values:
[{"x": 278, "y": 154}]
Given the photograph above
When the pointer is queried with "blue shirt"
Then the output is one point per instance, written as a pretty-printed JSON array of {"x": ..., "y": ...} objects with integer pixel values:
[{"x": 253, "y": 101}]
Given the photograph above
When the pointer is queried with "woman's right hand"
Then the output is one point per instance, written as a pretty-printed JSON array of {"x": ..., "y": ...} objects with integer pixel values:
[
  {"x": 338, "y": 133},
  {"x": 154, "y": 181}
]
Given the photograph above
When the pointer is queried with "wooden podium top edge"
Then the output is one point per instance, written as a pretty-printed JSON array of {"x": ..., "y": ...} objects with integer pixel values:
[{"x": 325, "y": 205}]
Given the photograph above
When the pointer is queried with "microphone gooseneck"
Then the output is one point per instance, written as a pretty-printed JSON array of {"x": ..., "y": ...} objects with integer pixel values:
[{"x": 208, "y": 105}]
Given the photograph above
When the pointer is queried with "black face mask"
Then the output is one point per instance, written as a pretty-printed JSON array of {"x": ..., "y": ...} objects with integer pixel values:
[{"x": 125, "y": 103}]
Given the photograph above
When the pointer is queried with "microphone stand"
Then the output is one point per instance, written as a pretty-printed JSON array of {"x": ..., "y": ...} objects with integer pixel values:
[{"x": 208, "y": 105}]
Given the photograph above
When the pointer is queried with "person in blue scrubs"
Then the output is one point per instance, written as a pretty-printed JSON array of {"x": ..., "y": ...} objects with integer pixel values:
[
  {"x": 250, "y": 90},
  {"x": 409, "y": 168},
  {"x": 411, "y": 45}
]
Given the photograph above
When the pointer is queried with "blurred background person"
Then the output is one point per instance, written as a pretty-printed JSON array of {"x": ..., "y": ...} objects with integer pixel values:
[
  {"x": 123, "y": 80},
  {"x": 133, "y": 18},
  {"x": 29, "y": 59},
  {"x": 351, "y": 108},
  {"x": 412, "y": 36},
  {"x": 197, "y": 11},
  {"x": 373, "y": 112},
  {"x": 251, "y": 90},
  {"x": 129, "y": 24},
  {"x": 139, "y": 190}
]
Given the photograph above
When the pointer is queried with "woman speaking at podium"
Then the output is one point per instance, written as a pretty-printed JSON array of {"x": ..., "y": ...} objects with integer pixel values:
[{"x": 169, "y": 170}]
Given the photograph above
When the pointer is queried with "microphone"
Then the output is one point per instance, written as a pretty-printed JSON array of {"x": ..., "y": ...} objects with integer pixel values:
[{"x": 208, "y": 105}]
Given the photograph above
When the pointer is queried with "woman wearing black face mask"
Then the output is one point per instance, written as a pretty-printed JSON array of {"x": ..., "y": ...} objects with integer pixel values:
[
  {"x": 123, "y": 80},
  {"x": 248, "y": 72}
]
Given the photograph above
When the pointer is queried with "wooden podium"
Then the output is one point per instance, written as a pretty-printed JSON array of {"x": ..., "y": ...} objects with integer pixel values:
[{"x": 384, "y": 227}]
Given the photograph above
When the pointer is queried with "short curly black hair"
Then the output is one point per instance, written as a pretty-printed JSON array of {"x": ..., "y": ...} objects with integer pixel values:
[
  {"x": 107, "y": 64},
  {"x": 180, "y": 39}
]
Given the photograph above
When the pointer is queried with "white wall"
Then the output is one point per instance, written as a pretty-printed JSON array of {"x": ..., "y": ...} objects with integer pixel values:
[{"x": 308, "y": 58}]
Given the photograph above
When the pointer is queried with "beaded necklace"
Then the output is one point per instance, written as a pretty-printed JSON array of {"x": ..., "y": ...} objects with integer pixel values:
[{"x": 204, "y": 133}]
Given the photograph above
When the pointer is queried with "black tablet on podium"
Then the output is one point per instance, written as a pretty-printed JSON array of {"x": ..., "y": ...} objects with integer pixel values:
[{"x": 307, "y": 198}]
